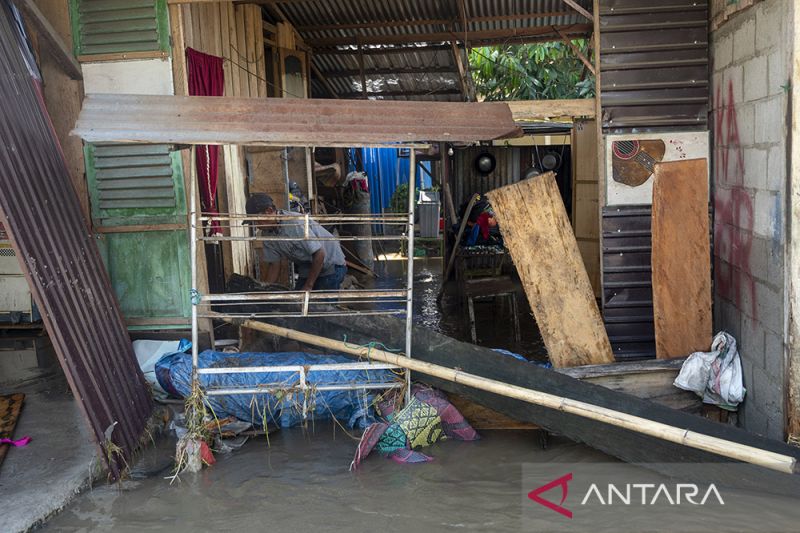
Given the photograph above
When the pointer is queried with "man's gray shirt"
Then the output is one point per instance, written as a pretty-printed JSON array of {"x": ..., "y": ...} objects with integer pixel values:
[{"x": 300, "y": 251}]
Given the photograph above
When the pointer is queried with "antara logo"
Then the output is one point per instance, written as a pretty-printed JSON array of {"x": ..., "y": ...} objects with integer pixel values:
[
  {"x": 628, "y": 494},
  {"x": 562, "y": 482}
]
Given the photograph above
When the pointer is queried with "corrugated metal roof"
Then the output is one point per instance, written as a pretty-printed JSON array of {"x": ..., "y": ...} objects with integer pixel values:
[
  {"x": 59, "y": 257},
  {"x": 287, "y": 121},
  {"x": 359, "y": 20}
]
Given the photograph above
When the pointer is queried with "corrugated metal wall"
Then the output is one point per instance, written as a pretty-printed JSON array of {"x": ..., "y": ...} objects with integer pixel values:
[
  {"x": 627, "y": 285},
  {"x": 40, "y": 211},
  {"x": 654, "y": 63},
  {"x": 469, "y": 181}
]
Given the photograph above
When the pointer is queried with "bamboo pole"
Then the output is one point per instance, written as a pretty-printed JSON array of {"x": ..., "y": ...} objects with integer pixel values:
[{"x": 684, "y": 437}]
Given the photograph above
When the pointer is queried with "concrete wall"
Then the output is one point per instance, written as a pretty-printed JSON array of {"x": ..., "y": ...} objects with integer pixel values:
[{"x": 751, "y": 56}]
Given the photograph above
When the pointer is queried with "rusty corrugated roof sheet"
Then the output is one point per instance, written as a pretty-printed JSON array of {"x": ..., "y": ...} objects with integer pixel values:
[
  {"x": 361, "y": 19},
  {"x": 40, "y": 211},
  {"x": 287, "y": 121}
]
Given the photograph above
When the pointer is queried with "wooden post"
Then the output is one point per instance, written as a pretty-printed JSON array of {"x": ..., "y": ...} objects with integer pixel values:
[
  {"x": 452, "y": 259},
  {"x": 361, "y": 71}
]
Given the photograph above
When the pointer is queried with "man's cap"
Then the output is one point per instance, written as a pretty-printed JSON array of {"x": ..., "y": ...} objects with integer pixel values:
[{"x": 259, "y": 202}]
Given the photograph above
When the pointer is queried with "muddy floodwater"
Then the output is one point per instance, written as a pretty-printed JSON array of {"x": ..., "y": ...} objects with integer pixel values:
[{"x": 301, "y": 482}]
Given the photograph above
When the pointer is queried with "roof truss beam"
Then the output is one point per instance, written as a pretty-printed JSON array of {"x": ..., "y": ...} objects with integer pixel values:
[
  {"x": 575, "y": 50},
  {"x": 577, "y": 7}
]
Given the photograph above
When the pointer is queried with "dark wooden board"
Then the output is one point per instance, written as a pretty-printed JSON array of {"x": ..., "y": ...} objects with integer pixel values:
[{"x": 623, "y": 444}]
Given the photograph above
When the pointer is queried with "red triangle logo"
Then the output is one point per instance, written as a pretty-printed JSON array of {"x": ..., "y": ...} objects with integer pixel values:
[{"x": 562, "y": 482}]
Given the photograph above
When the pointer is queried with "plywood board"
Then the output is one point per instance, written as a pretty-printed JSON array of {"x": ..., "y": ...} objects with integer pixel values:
[
  {"x": 538, "y": 234},
  {"x": 681, "y": 259}
]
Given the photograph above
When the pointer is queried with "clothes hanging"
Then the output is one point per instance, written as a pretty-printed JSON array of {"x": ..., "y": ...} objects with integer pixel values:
[{"x": 206, "y": 78}]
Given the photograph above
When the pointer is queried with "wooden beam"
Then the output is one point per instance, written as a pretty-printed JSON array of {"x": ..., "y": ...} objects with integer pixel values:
[
  {"x": 476, "y": 36},
  {"x": 324, "y": 80},
  {"x": 575, "y": 50},
  {"x": 428, "y": 22},
  {"x": 462, "y": 73},
  {"x": 577, "y": 7},
  {"x": 530, "y": 110},
  {"x": 598, "y": 121},
  {"x": 61, "y": 52}
]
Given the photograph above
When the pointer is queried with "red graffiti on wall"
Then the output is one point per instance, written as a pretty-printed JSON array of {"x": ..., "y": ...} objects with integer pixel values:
[{"x": 733, "y": 224}]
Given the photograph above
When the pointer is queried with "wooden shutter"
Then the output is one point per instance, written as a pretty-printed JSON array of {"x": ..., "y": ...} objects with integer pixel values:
[
  {"x": 138, "y": 203},
  {"x": 119, "y": 26},
  {"x": 129, "y": 181}
]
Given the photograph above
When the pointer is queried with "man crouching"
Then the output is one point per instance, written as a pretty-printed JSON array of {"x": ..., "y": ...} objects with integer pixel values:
[{"x": 320, "y": 264}]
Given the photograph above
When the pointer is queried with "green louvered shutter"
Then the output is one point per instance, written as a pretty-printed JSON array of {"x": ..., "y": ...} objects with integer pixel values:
[
  {"x": 130, "y": 181},
  {"x": 138, "y": 203},
  {"x": 119, "y": 26}
]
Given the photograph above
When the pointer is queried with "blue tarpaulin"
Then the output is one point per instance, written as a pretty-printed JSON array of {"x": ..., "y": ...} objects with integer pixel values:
[
  {"x": 282, "y": 407},
  {"x": 386, "y": 171}
]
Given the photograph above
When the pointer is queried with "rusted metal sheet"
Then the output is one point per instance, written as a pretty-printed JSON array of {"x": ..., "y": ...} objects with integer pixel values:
[
  {"x": 654, "y": 63},
  {"x": 287, "y": 121},
  {"x": 40, "y": 211}
]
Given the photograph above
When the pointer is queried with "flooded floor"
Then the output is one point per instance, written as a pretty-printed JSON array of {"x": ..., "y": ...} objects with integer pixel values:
[
  {"x": 493, "y": 318},
  {"x": 301, "y": 482}
]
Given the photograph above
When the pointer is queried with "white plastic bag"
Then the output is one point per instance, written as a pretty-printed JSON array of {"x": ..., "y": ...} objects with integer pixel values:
[
  {"x": 715, "y": 376},
  {"x": 148, "y": 354}
]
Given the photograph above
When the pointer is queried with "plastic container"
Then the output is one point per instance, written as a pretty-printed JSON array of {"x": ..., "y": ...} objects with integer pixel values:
[{"x": 429, "y": 208}]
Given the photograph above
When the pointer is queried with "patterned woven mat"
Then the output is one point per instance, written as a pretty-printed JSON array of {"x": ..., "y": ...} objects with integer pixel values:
[{"x": 10, "y": 407}]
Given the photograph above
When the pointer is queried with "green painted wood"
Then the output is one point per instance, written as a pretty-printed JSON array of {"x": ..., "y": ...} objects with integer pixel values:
[
  {"x": 141, "y": 185},
  {"x": 150, "y": 272},
  {"x": 119, "y": 26},
  {"x": 135, "y": 184}
]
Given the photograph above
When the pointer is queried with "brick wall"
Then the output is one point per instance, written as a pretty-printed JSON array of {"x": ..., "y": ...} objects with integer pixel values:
[{"x": 750, "y": 82}]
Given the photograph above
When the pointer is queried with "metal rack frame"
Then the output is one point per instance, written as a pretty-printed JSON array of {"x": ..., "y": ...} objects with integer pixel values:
[{"x": 304, "y": 299}]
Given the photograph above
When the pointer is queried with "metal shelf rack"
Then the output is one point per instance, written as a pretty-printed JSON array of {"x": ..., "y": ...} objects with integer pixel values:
[{"x": 307, "y": 304}]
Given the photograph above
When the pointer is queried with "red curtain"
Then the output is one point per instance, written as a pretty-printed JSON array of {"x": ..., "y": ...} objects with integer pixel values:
[{"x": 206, "y": 78}]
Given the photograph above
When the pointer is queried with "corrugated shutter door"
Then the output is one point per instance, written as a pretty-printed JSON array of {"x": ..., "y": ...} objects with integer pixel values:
[{"x": 119, "y": 26}]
